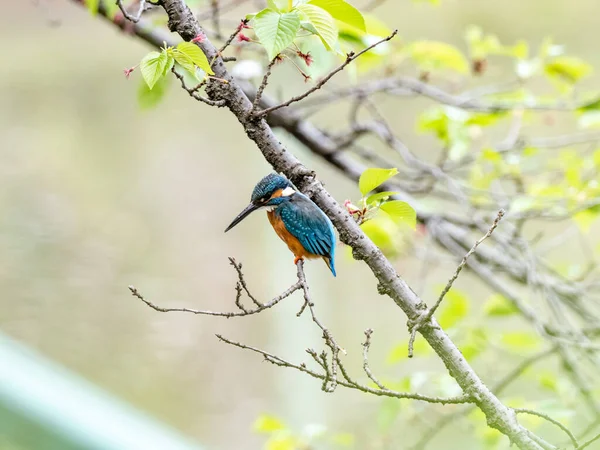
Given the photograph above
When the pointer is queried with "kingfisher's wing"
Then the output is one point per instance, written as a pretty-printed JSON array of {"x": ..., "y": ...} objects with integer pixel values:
[{"x": 307, "y": 223}]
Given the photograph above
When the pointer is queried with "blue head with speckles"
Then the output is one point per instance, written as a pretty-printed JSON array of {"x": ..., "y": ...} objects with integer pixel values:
[
  {"x": 266, "y": 187},
  {"x": 271, "y": 191}
]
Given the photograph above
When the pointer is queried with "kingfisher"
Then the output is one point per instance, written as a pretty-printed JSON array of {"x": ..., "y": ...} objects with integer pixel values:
[{"x": 297, "y": 220}]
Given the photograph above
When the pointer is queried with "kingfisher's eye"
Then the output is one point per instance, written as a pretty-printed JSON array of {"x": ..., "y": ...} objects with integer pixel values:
[{"x": 264, "y": 199}]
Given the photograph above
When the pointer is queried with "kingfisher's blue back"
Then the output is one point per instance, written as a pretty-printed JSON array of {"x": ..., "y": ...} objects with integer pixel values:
[{"x": 305, "y": 221}]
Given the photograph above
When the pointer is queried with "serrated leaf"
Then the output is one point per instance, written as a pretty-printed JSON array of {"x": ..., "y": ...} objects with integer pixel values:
[
  {"x": 371, "y": 199},
  {"x": 276, "y": 31},
  {"x": 400, "y": 212},
  {"x": 498, "y": 305},
  {"x": 520, "y": 341},
  {"x": 454, "y": 308},
  {"x": 342, "y": 11},
  {"x": 196, "y": 55},
  {"x": 153, "y": 67},
  {"x": 185, "y": 61},
  {"x": 149, "y": 98},
  {"x": 373, "y": 178},
  {"x": 266, "y": 423},
  {"x": 323, "y": 23}
]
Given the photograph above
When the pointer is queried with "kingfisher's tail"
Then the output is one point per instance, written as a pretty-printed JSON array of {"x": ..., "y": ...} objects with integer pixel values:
[{"x": 330, "y": 264}]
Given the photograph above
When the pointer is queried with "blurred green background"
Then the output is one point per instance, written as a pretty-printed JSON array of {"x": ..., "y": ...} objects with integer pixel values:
[{"x": 96, "y": 194}]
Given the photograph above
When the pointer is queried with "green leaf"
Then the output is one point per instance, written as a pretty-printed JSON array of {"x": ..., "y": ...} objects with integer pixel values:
[
  {"x": 498, "y": 305},
  {"x": 266, "y": 423},
  {"x": 548, "y": 380},
  {"x": 342, "y": 11},
  {"x": 433, "y": 55},
  {"x": 454, "y": 308},
  {"x": 149, "y": 98},
  {"x": 400, "y": 212},
  {"x": 343, "y": 439},
  {"x": 92, "y": 6},
  {"x": 323, "y": 23},
  {"x": 185, "y": 61},
  {"x": 373, "y": 177},
  {"x": 193, "y": 52},
  {"x": 276, "y": 31},
  {"x": 567, "y": 68},
  {"x": 372, "y": 199},
  {"x": 153, "y": 67},
  {"x": 384, "y": 233},
  {"x": 520, "y": 341}
]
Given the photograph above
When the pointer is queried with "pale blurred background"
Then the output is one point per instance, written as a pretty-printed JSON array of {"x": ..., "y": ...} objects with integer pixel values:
[{"x": 96, "y": 194}]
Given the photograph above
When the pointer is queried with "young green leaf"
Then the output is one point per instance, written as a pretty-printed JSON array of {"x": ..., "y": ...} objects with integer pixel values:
[
  {"x": 433, "y": 55},
  {"x": 153, "y": 67},
  {"x": 374, "y": 177},
  {"x": 92, "y": 6},
  {"x": 266, "y": 423},
  {"x": 498, "y": 305},
  {"x": 400, "y": 212},
  {"x": 568, "y": 68},
  {"x": 373, "y": 198},
  {"x": 275, "y": 30},
  {"x": 323, "y": 23},
  {"x": 186, "y": 62},
  {"x": 520, "y": 341},
  {"x": 342, "y": 11},
  {"x": 149, "y": 98},
  {"x": 193, "y": 52}
]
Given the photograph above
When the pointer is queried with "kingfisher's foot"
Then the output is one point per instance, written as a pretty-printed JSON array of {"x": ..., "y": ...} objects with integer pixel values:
[{"x": 298, "y": 258}]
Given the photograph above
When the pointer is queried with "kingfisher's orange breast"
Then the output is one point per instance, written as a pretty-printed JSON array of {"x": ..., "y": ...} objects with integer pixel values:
[{"x": 292, "y": 242}]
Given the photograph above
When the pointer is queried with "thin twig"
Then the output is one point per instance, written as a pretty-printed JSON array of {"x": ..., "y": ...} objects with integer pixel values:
[
  {"x": 349, "y": 58},
  {"x": 193, "y": 91},
  {"x": 497, "y": 389},
  {"x": 133, "y": 18},
  {"x": 380, "y": 392},
  {"x": 366, "y": 368},
  {"x": 588, "y": 443},
  {"x": 327, "y": 336},
  {"x": 262, "y": 86},
  {"x": 233, "y": 35},
  {"x": 240, "y": 286},
  {"x": 551, "y": 420},
  {"x": 425, "y": 318}
]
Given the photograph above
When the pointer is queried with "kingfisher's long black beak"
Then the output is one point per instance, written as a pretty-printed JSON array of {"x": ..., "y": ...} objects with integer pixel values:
[{"x": 241, "y": 216}]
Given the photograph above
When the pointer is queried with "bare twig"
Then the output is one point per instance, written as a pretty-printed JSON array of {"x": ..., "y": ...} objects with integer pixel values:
[
  {"x": 327, "y": 336},
  {"x": 352, "y": 385},
  {"x": 426, "y": 317},
  {"x": 552, "y": 421},
  {"x": 349, "y": 58},
  {"x": 233, "y": 35},
  {"x": 588, "y": 443},
  {"x": 194, "y": 91},
  {"x": 366, "y": 368},
  {"x": 263, "y": 85},
  {"x": 240, "y": 286},
  {"x": 132, "y": 17}
]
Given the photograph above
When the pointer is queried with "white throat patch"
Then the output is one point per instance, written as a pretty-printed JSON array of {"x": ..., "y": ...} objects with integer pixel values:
[{"x": 287, "y": 192}]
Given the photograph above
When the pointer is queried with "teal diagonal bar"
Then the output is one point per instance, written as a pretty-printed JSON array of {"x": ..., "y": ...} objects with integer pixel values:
[{"x": 49, "y": 407}]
